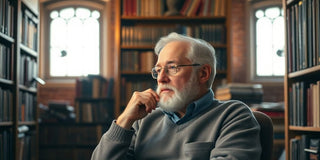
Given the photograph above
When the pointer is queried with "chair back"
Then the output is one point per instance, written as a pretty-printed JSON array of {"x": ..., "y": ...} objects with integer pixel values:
[{"x": 266, "y": 134}]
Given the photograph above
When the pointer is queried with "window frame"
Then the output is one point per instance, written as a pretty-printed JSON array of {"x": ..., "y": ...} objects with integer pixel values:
[
  {"x": 46, "y": 20},
  {"x": 254, "y": 6}
]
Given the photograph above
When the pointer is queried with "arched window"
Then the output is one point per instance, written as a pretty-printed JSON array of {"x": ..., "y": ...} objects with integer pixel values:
[
  {"x": 74, "y": 42},
  {"x": 71, "y": 41},
  {"x": 267, "y": 40}
]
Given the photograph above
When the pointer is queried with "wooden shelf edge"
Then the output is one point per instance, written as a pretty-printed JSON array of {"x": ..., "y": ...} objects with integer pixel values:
[
  {"x": 28, "y": 50},
  {"x": 6, "y": 81},
  {"x": 303, "y": 128},
  {"x": 28, "y": 89},
  {"x": 32, "y": 5},
  {"x": 8, "y": 124},
  {"x": 6, "y": 38},
  {"x": 308, "y": 71},
  {"x": 171, "y": 18},
  {"x": 28, "y": 123}
]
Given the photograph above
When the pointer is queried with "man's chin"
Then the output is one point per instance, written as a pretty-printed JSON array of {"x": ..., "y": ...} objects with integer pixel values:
[{"x": 165, "y": 97}]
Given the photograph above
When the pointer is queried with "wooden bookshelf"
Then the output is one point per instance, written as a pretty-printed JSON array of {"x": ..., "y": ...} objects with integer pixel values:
[
  {"x": 69, "y": 140},
  {"x": 302, "y": 80},
  {"x": 139, "y": 28},
  {"x": 19, "y": 25},
  {"x": 76, "y": 137}
]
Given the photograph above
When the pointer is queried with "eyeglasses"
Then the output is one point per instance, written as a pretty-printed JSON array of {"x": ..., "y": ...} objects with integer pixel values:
[{"x": 168, "y": 69}]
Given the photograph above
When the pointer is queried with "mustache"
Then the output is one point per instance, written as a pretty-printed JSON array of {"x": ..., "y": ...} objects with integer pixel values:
[{"x": 165, "y": 86}]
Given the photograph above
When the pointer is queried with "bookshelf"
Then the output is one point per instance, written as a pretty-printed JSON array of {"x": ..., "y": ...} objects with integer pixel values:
[
  {"x": 64, "y": 136},
  {"x": 19, "y": 21},
  {"x": 302, "y": 80},
  {"x": 141, "y": 23},
  {"x": 69, "y": 140}
]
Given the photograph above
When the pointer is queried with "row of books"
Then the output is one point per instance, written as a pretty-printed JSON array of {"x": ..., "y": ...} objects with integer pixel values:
[
  {"x": 27, "y": 106},
  {"x": 148, "y": 35},
  {"x": 5, "y": 62},
  {"x": 143, "y": 7},
  {"x": 304, "y": 104},
  {"x": 29, "y": 30},
  {"x": 26, "y": 143},
  {"x": 305, "y": 147},
  {"x": 100, "y": 111},
  {"x": 6, "y": 144},
  {"x": 303, "y": 35},
  {"x": 135, "y": 61},
  {"x": 28, "y": 70},
  {"x": 128, "y": 86},
  {"x": 6, "y": 17},
  {"x": 204, "y": 8},
  {"x": 72, "y": 135},
  {"x": 5, "y": 105},
  {"x": 185, "y": 8},
  {"x": 94, "y": 86}
]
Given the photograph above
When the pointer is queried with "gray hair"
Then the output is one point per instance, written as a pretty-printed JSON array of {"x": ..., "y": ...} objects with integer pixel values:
[{"x": 200, "y": 51}]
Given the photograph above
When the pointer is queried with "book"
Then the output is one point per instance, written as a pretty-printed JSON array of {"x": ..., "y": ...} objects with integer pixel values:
[
  {"x": 314, "y": 149},
  {"x": 248, "y": 93}
]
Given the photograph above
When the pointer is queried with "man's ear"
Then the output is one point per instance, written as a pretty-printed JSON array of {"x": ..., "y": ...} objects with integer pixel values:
[{"x": 204, "y": 73}]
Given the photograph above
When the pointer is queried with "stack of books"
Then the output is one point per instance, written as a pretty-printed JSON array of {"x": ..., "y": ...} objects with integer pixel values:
[
  {"x": 248, "y": 93},
  {"x": 57, "y": 112}
]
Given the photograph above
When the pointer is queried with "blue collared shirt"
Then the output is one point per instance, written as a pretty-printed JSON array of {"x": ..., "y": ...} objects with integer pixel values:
[{"x": 193, "y": 109}]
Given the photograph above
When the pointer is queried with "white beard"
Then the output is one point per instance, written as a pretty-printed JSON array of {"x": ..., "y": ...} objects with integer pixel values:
[{"x": 179, "y": 99}]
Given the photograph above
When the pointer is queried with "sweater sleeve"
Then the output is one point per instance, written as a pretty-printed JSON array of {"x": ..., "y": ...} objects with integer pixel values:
[
  {"x": 239, "y": 136},
  {"x": 114, "y": 144}
]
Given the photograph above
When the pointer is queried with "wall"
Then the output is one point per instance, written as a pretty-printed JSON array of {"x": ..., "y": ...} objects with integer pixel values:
[{"x": 240, "y": 59}]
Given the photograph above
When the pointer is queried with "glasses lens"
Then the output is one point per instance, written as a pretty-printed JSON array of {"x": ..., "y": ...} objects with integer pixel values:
[
  {"x": 172, "y": 69},
  {"x": 154, "y": 73}
]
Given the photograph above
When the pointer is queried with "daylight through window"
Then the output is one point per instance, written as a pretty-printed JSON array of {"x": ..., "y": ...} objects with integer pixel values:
[
  {"x": 269, "y": 42},
  {"x": 74, "y": 42}
]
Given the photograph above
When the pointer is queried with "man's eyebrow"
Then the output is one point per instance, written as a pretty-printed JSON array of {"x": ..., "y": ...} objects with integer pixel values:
[{"x": 170, "y": 62}]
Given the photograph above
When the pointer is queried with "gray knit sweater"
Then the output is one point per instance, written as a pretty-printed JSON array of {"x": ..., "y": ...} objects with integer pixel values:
[{"x": 225, "y": 131}]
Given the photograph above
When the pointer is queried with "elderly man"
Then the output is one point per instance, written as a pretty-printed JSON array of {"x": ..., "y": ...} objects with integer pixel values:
[{"x": 181, "y": 119}]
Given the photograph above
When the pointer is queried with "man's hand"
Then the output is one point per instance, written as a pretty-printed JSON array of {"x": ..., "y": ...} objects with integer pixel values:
[{"x": 140, "y": 104}]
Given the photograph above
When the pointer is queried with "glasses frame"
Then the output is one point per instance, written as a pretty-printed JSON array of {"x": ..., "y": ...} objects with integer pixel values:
[{"x": 155, "y": 74}]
